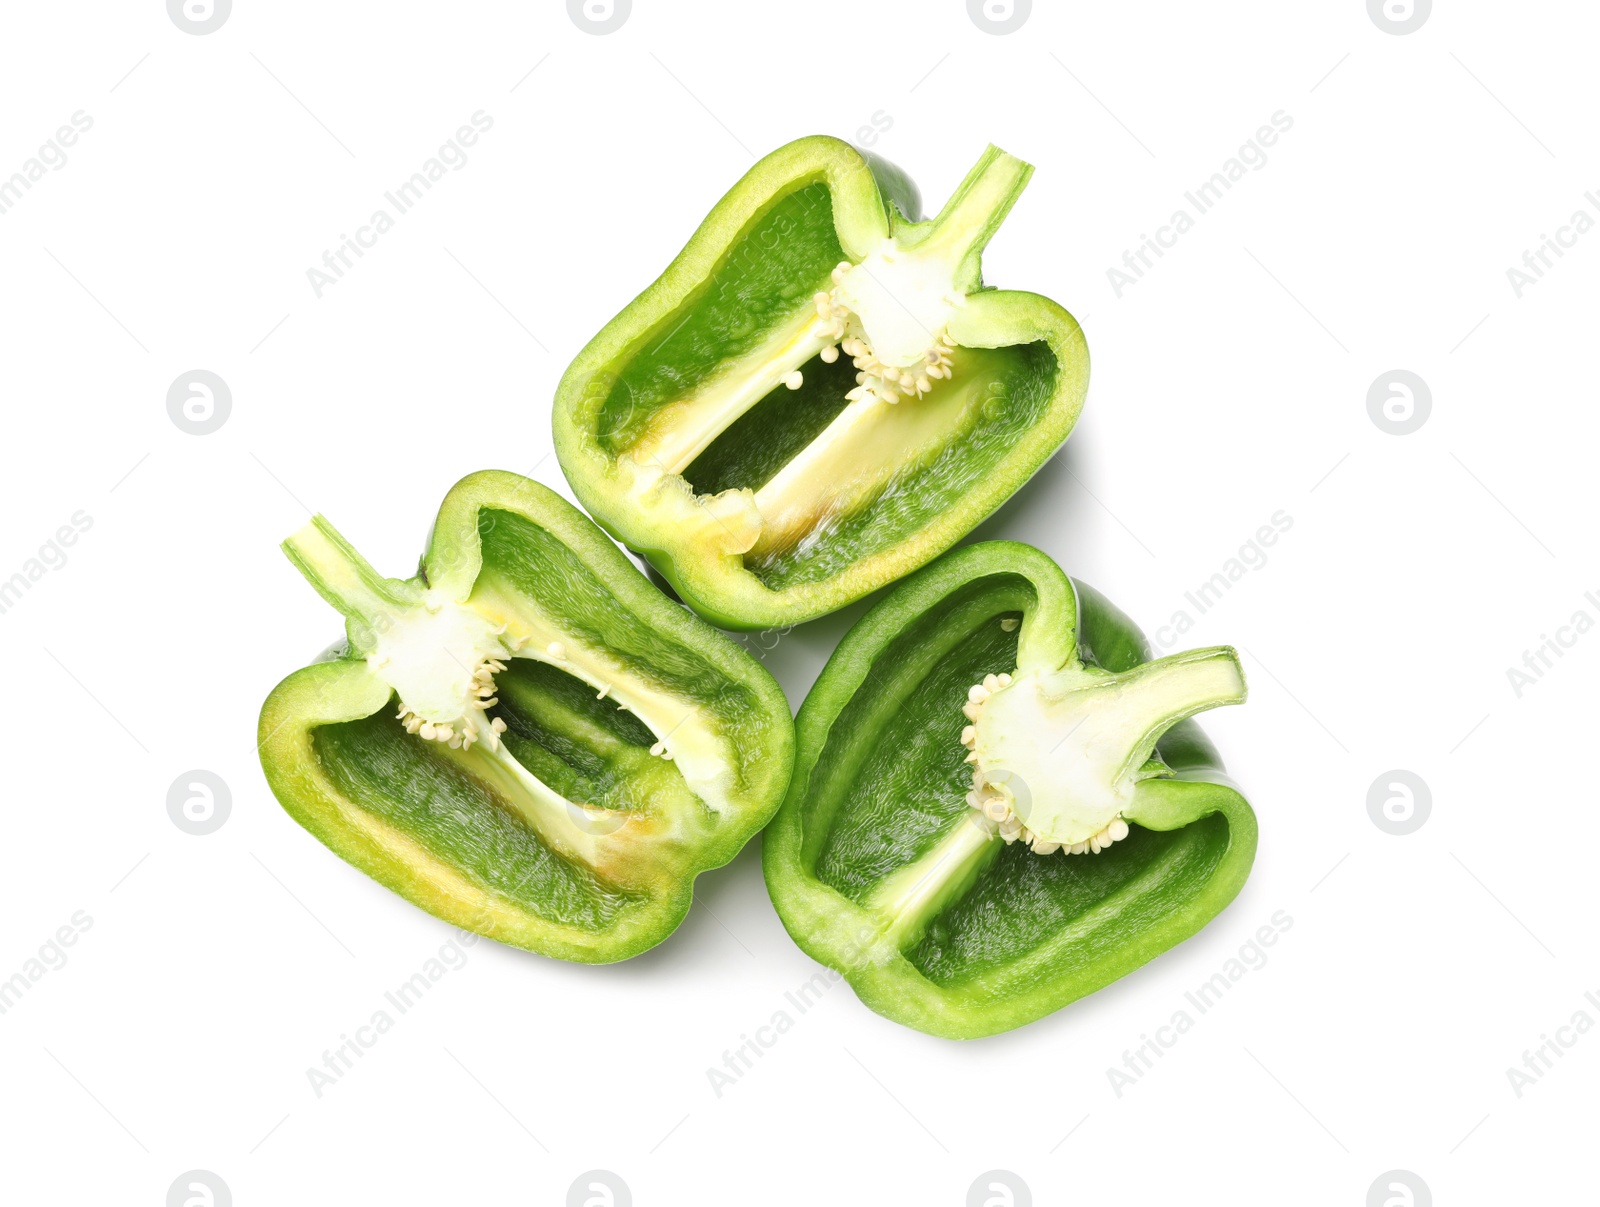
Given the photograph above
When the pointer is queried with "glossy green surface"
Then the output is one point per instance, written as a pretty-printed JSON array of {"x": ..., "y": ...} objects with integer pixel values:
[
  {"x": 680, "y": 384},
  {"x": 781, "y": 260},
  {"x": 533, "y": 562},
  {"x": 602, "y": 866},
  {"x": 767, "y": 436},
  {"x": 1004, "y": 393},
  {"x": 1026, "y": 899},
  {"x": 912, "y": 782},
  {"x": 413, "y": 785},
  {"x": 880, "y": 779}
]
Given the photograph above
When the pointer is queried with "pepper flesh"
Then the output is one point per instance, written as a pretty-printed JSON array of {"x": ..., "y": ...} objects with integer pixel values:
[
  {"x": 964, "y": 913},
  {"x": 527, "y": 739},
  {"x": 819, "y": 394}
]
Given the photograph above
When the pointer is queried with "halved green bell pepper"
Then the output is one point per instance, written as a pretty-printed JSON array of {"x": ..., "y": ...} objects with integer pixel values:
[
  {"x": 527, "y": 739},
  {"x": 715, "y": 427},
  {"x": 998, "y": 803}
]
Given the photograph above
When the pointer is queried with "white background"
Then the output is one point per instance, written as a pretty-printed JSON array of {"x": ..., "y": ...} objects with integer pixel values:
[{"x": 1229, "y": 383}]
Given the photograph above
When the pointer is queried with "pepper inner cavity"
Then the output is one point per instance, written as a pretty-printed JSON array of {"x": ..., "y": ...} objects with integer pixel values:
[
  {"x": 1057, "y": 759},
  {"x": 888, "y": 313},
  {"x": 887, "y": 309},
  {"x": 440, "y": 658}
]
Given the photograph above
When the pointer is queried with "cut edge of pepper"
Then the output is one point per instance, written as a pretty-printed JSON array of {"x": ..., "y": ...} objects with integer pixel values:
[
  {"x": 388, "y": 620},
  {"x": 867, "y": 942},
  {"x": 698, "y": 542}
]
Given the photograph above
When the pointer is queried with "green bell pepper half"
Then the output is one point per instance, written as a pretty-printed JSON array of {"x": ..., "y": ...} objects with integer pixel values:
[
  {"x": 980, "y": 724},
  {"x": 819, "y": 395},
  {"x": 527, "y": 739}
]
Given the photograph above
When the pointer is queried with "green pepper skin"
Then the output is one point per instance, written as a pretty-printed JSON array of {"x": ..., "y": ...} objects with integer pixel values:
[
  {"x": 913, "y": 485},
  {"x": 450, "y": 830},
  {"x": 878, "y": 777}
]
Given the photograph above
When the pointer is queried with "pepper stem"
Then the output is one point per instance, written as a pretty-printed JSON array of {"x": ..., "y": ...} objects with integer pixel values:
[
  {"x": 1154, "y": 696},
  {"x": 910, "y": 898},
  {"x": 959, "y": 232},
  {"x": 347, "y": 580}
]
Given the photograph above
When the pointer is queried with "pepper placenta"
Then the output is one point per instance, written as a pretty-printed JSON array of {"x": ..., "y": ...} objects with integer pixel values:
[
  {"x": 819, "y": 394},
  {"x": 527, "y": 739},
  {"x": 999, "y": 804}
]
